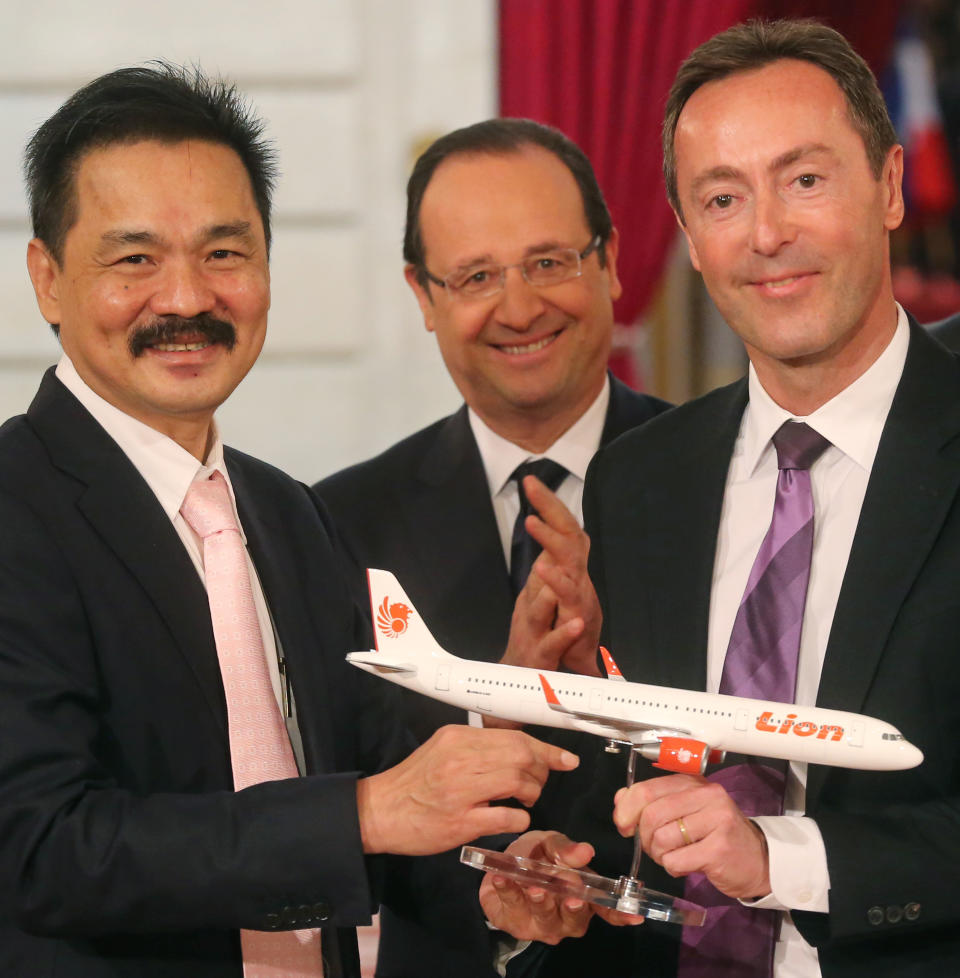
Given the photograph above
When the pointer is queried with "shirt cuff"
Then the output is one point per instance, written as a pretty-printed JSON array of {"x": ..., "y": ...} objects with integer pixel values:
[
  {"x": 507, "y": 948},
  {"x": 799, "y": 878}
]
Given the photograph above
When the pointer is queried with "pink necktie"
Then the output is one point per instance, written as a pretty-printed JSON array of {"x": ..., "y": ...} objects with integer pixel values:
[{"x": 259, "y": 744}]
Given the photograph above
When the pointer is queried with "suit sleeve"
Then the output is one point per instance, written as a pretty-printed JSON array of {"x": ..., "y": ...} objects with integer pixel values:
[{"x": 90, "y": 846}]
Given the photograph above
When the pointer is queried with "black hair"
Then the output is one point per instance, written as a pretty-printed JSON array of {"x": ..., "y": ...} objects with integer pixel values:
[{"x": 159, "y": 101}]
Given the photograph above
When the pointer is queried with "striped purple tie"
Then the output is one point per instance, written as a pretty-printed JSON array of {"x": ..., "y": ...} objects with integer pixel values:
[{"x": 761, "y": 662}]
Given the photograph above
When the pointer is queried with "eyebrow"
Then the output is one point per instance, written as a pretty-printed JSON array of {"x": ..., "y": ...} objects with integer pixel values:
[
  {"x": 792, "y": 155},
  {"x": 534, "y": 249},
  {"x": 213, "y": 232},
  {"x": 783, "y": 160}
]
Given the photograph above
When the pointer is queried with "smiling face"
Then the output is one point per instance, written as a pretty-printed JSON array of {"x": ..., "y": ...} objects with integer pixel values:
[
  {"x": 164, "y": 287},
  {"x": 528, "y": 360},
  {"x": 788, "y": 225}
]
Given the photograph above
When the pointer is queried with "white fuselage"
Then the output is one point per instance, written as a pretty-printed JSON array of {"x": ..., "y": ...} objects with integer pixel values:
[{"x": 641, "y": 714}]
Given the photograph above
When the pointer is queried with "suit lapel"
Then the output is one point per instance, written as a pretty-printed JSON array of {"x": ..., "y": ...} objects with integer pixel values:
[
  {"x": 280, "y": 574},
  {"x": 913, "y": 484},
  {"x": 461, "y": 559},
  {"x": 678, "y": 554},
  {"x": 119, "y": 505}
]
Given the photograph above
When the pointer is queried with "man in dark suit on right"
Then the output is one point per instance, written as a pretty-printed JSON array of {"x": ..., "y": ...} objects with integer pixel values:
[
  {"x": 512, "y": 255},
  {"x": 784, "y": 173}
]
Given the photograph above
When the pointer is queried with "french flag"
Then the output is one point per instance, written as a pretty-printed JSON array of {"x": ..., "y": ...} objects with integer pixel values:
[{"x": 911, "y": 95}]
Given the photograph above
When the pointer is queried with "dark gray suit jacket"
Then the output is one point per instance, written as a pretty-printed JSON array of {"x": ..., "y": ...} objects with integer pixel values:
[
  {"x": 652, "y": 508},
  {"x": 947, "y": 331},
  {"x": 125, "y": 852},
  {"x": 422, "y": 509}
]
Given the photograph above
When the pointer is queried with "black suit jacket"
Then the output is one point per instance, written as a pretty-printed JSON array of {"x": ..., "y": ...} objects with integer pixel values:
[
  {"x": 947, "y": 331},
  {"x": 125, "y": 851},
  {"x": 652, "y": 507},
  {"x": 422, "y": 509}
]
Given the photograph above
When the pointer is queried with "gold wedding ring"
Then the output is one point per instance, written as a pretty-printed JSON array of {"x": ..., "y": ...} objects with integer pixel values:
[{"x": 683, "y": 831}]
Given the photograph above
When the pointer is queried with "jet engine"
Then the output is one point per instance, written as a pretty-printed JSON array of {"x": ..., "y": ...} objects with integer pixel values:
[{"x": 681, "y": 754}]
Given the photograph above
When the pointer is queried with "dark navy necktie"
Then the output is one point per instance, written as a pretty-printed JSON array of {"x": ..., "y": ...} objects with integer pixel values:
[{"x": 524, "y": 550}]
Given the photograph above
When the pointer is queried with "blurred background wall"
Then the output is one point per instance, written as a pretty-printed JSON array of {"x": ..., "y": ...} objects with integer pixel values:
[{"x": 353, "y": 89}]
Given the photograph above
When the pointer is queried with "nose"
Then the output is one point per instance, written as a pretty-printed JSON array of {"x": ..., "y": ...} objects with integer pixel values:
[
  {"x": 519, "y": 304},
  {"x": 182, "y": 290},
  {"x": 773, "y": 226},
  {"x": 911, "y": 756}
]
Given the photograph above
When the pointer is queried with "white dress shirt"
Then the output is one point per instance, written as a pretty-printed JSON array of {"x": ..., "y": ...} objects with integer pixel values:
[
  {"x": 853, "y": 422},
  {"x": 574, "y": 450},
  {"x": 169, "y": 470}
]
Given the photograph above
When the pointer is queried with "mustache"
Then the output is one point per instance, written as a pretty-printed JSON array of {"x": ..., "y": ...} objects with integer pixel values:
[{"x": 173, "y": 329}]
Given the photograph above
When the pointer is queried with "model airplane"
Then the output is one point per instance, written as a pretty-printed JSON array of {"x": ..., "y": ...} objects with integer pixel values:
[{"x": 679, "y": 730}]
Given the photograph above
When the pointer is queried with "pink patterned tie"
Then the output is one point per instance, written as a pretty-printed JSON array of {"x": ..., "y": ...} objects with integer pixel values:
[{"x": 259, "y": 744}]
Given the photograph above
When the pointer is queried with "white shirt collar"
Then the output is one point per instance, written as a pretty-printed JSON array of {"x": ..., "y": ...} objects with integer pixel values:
[
  {"x": 852, "y": 421},
  {"x": 573, "y": 449},
  {"x": 167, "y": 468}
]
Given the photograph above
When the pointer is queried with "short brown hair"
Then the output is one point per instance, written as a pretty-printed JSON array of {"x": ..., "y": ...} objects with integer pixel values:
[
  {"x": 759, "y": 43},
  {"x": 501, "y": 137}
]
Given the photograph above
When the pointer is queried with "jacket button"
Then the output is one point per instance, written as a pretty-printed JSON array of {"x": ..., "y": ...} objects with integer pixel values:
[
  {"x": 894, "y": 914},
  {"x": 911, "y": 911},
  {"x": 875, "y": 916},
  {"x": 321, "y": 910},
  {"x": 273, "y": 921}
]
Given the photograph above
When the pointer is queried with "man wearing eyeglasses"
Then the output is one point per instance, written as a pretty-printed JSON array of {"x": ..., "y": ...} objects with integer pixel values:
[{"x": 512, "y": 255}]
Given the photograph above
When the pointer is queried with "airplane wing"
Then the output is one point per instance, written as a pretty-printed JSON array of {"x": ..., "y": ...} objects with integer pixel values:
[
  {"x": 621, "y": 724},
  {"x": 381, "y": 662}
]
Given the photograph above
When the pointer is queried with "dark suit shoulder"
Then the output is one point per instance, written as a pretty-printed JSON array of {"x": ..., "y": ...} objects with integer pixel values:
[
  {"x": 628, "y": 409},
  {"x": 267, "y": 481},
  {"x": 18, "y": 442},
  {"x": 400, "y": 461},
  {"x": 947, "y": 331},
  {"x": 670, "y": 431}
]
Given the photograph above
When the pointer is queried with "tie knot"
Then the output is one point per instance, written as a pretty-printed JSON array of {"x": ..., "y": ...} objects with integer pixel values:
[
  {"x": 550, "y": 473},
  {"x": 207, "y": 507},
  {"x": 798, "y": 445}
]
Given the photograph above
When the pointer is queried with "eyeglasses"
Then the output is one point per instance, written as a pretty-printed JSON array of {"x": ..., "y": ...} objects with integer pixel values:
[{"x": 540, "y": 270}]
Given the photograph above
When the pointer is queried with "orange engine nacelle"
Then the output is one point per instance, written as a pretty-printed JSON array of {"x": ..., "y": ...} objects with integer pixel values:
[{"x": 679, "y": 754}]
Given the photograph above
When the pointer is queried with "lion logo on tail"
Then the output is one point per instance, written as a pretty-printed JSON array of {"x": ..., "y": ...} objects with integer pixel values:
[{"x": 392, "y": 618}]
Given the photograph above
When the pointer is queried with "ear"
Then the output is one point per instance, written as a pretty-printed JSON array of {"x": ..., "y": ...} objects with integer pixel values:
[
  {"x": 424, "y": 299},
  {"x": 691, "y": 248},
  {"x": 611, "y": 250},
  {"x": 45, "y": 275},
  {"x": 892, "y": 180}
]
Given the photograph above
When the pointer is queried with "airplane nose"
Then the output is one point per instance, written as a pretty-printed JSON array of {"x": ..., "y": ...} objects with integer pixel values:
[{"x": 911, "y": 756}]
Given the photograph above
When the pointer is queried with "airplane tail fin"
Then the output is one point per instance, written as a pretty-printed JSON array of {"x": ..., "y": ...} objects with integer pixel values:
[
  {"x": 612, "y": 669},
  {"x": 397, "y": 626}
]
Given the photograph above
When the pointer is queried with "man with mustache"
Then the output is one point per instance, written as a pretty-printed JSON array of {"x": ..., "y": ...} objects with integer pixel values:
[
  {"x": 798, "y": 530},
  {"x": 512, "y": 256},
  {"x": 193, "y": 782}
]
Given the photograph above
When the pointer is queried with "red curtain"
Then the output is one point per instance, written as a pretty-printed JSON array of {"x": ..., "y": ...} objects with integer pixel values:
[{"x": 600, "y": 70}]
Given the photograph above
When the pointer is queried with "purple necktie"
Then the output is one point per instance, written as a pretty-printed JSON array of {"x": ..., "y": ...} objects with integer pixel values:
[
  {"x": 761, "y": 662},
  {"x": 524, "y": 550}
]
